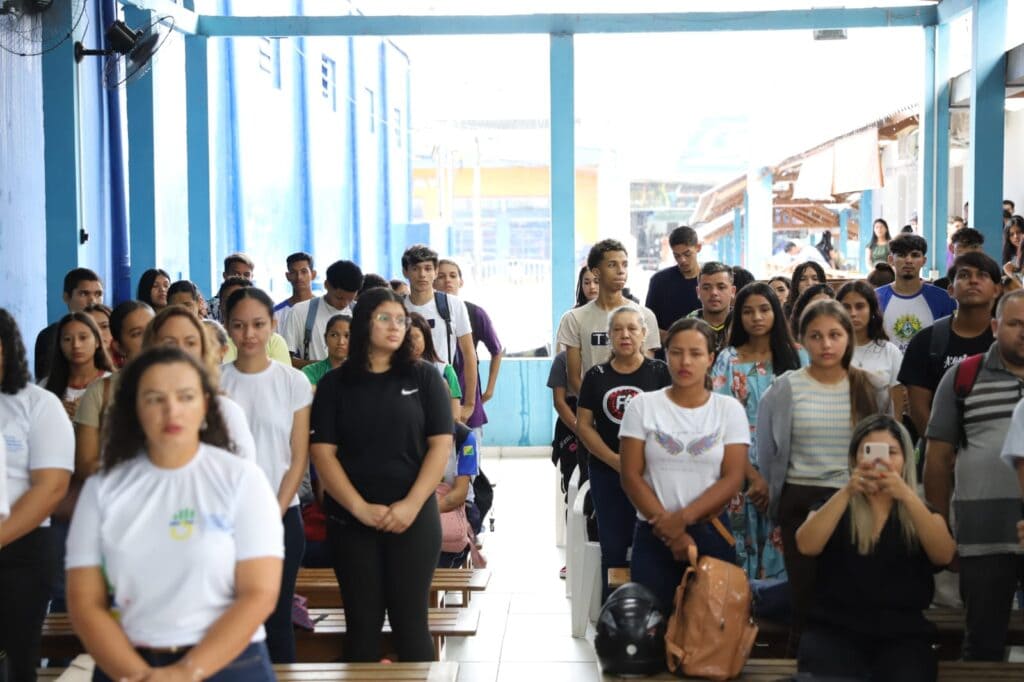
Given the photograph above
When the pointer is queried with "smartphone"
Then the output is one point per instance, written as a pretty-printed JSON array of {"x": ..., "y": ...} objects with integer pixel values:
[{"x": 875, "y": 452}]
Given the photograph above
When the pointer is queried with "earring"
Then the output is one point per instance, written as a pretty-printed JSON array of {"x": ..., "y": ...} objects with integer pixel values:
[{"x": 203, "y": 426}]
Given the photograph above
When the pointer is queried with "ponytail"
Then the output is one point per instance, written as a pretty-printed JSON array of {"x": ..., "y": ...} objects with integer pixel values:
[{"x": 863, "y": 397}]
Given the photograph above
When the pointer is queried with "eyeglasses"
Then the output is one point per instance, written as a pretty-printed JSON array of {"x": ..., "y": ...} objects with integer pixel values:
[{"x": 385, "y": 318}]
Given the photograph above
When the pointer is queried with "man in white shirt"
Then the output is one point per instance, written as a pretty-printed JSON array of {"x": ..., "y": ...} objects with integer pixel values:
[
  {"x": 343, "y": 281},
  {"x": 300, "y": 275},
  {"x": 451, "y": 336}
]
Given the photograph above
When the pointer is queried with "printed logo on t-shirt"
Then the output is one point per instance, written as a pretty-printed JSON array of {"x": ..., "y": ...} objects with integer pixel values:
[
  {"x": 951, "y": 360},
  {"x": 616, "y": 400},
  {"x": 599, "y": 338},
  {"x": 467, "y": 450},
  {"x": 182, "y": 524},
  {"x": 409, "y": 391},
  {"x": 906, "y": 326},
  {"x": 696, "y": 447}
]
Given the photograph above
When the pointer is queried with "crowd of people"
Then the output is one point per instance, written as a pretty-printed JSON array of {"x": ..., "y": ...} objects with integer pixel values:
[
  {"x": 784, "y": 426},
  {"x": 178, "y": 458}
]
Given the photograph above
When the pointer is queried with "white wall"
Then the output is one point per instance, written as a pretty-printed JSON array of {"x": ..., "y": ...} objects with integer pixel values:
[{"x": 1013, "y": 164}]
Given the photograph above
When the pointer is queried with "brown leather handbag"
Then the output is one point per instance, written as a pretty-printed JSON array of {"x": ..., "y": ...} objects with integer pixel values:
[{"x": 711, "y": 631}]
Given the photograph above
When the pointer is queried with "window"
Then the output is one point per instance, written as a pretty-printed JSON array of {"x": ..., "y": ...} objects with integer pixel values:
[
  {"x": 328, "y": 81},
  {"x": 371, "y": 108},
  {"x": 270, "y": 60}
]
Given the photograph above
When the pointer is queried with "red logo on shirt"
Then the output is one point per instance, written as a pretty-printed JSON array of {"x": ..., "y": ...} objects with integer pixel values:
[{"x": 616, "y": 400}]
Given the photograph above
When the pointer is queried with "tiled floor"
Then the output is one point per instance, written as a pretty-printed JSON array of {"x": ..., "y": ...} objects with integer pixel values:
[{"x": 524, "y": 615}]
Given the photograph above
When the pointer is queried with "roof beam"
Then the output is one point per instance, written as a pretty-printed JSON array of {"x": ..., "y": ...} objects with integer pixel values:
[
  {"x": 353, "y": 25},
  {"x": 185, "y": 20},
  {"x": 948, "y": 10}
]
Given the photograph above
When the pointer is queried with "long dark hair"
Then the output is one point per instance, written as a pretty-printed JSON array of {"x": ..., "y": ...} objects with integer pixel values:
[
  {"x": 359, "y": 334},
  {"x": 420, "y": 322},
  {"x": 693, "y": 324},
  {"x": 255, "y": 294},
  {"x": 60, "y": 368},
  {"x": 121, "y": 312},
  {"x": 784, "y": 355},
  {"x": 798, "y": 272},
  {"x": 581, "y": 300},
  {"x": 874, "y": 237},
  {"x": 144, "y": 291},
  {"x": 863, "y": 402},
  {"x": 803, "y": 301},
  {"x": 876, "y": 323},
  {"x": 123, "y": 418},
  {"x": 1010, "y": 252},
  {"x": 15, "y": 366}
]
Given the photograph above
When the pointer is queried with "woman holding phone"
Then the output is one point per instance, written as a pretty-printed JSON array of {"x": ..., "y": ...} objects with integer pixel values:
[{"x": 877, "y": 546}]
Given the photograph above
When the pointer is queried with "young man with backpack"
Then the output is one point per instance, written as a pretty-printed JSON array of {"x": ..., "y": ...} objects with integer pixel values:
[
  {"x": 305, "y": 327},
  {"x": 447, "y": 317},
  {"x": 969, "y": 423}
]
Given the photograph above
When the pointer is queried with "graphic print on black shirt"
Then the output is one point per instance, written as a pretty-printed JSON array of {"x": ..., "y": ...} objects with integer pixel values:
[{"x": 919, "y": 370}]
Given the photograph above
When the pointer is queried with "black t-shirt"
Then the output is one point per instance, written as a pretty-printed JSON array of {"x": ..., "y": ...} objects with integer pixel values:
[
  {"x": 380, "y": 423},
  {"x": 606, "y": 393},
  {"x": 881, "y": 594},
  {"x": 670, "y": 296},
  {"x": 918, "y": 369}
]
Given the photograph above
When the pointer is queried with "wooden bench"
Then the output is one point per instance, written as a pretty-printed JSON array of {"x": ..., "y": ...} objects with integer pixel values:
[
  {"x": 323, "y": 645},
  {"x": 332, "y": 672},
  {"x": 772, "y": 670},
  {"x": 320, "y": 587}
]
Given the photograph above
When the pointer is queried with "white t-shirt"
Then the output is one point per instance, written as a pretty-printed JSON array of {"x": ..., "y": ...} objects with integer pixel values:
[
  {"x": 5, "y": 506},
  {"x": 586, "y": 328},
  {"x": 168, "y": 540},
  {"x": 238, "y": 427},
  {"x": 270, "y": 400},
  {"x": 37, "y": 434},
  {"x": 1013, "y": 448},
  {"x": 295, "y": 327},
  {"x": 683, "y": 447},
  {"x": 439, "y": 331}
]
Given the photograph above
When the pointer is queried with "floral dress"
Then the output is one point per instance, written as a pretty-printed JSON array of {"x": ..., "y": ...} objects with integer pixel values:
[{"x": 758, "y": 540}]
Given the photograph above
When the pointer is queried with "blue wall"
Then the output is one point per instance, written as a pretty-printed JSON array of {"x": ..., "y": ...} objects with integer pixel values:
[{"x": 521, "y": 413}]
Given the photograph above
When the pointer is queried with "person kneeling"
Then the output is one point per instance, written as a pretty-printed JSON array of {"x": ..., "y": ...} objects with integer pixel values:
[{"x": 877, "y": 546}]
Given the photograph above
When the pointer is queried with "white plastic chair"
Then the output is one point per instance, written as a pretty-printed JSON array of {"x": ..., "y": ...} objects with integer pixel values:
[
  {"x": 573, "y": 490},
  {"x": 585, "y": 573}
]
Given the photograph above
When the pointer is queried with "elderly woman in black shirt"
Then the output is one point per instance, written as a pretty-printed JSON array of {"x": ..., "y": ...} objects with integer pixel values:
[
  {"x": 878, "y": 545},
  {"x": 381, "y": 435}
]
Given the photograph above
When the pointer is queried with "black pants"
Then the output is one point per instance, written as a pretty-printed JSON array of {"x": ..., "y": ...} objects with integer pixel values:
[
  {"x": 280, "y": 632},
  {"x": 833, "y": 655},
  {"x": 382, "y": 572},
  {"x": 987, "y": 586},
  {"x": 26, "y": 576}
]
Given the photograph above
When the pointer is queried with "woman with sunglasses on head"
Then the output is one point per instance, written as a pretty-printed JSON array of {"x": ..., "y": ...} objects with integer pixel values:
[
  {"x": 182, "y": 534},
  {"x": 381, "y": 438},
  {"x": 760, "y": 350},
  {"x": 276, "y": 400}
]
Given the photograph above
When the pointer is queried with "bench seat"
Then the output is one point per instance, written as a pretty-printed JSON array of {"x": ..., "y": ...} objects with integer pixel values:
[
  {"x": 772, "y": 670},
  {"x": 320, "y": 587},
  {"x": 338, "y": 672}
]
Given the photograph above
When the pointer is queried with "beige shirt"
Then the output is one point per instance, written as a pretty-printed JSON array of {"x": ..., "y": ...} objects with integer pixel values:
[{"x": 586, "y": 328}]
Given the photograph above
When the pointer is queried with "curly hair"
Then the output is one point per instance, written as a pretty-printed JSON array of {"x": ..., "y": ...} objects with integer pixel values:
[
  {"x": 359, "y": 334},
  {"x": 123, "y": 419},
  {"x": 15, "y": 375},
  {"x": 794, "y": 289}
]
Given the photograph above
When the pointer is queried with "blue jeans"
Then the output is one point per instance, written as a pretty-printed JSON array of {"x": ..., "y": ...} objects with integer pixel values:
[
  {"x": 252, "y": 665},
  {"x": 280, "y": 632},
  {"x": 654, "y": 567},
  {"x": 616, "y": 518}
]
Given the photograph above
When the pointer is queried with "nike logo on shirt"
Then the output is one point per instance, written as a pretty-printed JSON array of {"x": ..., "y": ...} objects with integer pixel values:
[{"x": 409, "y": 391}]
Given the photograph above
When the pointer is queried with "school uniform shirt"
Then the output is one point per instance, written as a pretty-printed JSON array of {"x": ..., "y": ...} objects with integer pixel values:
[
  {"x": 294, "y": 330},
  {"x": 464, "y": 461},
  {"x": 380, "y": 424},
  {"x": 37, "y": 435},
  {"x": 237, "y": 426},
  {"x": 904, "y": 316},
  {"x": 607, "y": 393},
  {"x": 586, "y": 328},
  {"x": 683, "y": 447},
  {"x": 5, "y": 505},
  {"x": 881, "y": 360},
  {"x": 270, "y": 400},
  {"x": 446, "y": 348},
  {"x": 168, "y": 540},
  {"x": 920, "y": 369},
  {"x": 1013, "y": 446},
  {"x": 281, "y": 311}
]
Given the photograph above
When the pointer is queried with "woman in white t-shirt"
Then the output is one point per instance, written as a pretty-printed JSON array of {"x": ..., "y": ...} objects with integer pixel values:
[
  {"x": 683, "y": 456},
  {"x": 276, "y": 399},
  {"x": 181, "y": 533},
  {"x": 875, "y": 353},
  {"x": 40, "y": 450}
]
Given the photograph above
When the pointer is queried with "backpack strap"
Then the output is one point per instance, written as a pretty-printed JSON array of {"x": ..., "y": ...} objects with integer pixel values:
[
  {"x": 307, "y": 335},
  {"x": 941, "y": 329},
  {"x": 967, "y": 371},
  {"x": 441, "y": 301}
]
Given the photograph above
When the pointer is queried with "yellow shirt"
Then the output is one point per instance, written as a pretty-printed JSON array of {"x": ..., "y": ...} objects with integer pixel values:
[{"x": 277, "y": 349}]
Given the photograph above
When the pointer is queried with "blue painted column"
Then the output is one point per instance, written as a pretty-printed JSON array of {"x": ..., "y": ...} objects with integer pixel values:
[
  {"x": 988, "y": 96},
  {"x": 844, "y": 233},
  {"x": 60, "y": 158},
  {"x": 760, "y": 223},
  {"x": 563, "y": 177},
  {"x": 725, "y": 248},
  {"x": 867, "y": 220},
  {"x": 141, "y": 163},
  {"x": 738, "y": 231},
  {"x": 926, "y": 143},
  {"x": 197, "y": 125},
  {"x": 940, "y": 179}
]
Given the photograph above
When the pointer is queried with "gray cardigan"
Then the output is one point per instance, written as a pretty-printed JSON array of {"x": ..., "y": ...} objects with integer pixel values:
[{"x": 774, "y": 428}]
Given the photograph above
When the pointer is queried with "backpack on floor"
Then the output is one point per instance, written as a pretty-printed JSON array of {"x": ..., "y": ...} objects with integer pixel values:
[{"x": 711, "y": 631}]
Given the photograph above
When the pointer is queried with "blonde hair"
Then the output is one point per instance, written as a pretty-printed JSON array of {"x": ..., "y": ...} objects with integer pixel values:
[{"x": 862, "y": 517}]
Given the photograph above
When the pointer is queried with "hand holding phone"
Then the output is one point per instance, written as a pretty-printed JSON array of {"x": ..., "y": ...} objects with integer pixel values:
[{"x": 876, "y": 452}]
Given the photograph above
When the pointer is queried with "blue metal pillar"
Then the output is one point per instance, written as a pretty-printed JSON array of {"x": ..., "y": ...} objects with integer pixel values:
[
  {"x": 844, "y": 234},
  {"x": 563, "y": 177},
  {"x": 197, "y": 125},
  {"x": 926, "y": 142},
  {"x": 760, "y": 223},
  {"x": 867, "y": 226},
  {"x": 724, "y": 244},
  {"x": 60, "y": 157},
  {"x": 738, "y": 231},
  {"x": 940, "y": 178},
  {"x": 988, "y": 97},
  {"x": 141, "y": 162}
]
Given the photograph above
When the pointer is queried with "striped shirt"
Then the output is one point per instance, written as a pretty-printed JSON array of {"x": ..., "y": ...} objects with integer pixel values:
[
  {"x": 986, "y": 499},
  {"x": 821, "y": 432}
]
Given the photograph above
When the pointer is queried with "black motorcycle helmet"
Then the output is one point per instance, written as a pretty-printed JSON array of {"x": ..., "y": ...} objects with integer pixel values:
[{"x": 631, "y": 633}]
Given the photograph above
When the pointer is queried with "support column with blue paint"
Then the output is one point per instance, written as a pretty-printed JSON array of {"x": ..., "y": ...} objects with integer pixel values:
[
  {"x": 988, "y": 97},
  {"x": 926, "y": 139},
  {"x": 940, "y": 178},
  {"x": 197, "y": 130},
  {"x": 141, "y": 163},
  {"x": 867, "y": 227},
  {"x": 760, "y": 222},
  {"x": 563, "y": 177}
]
